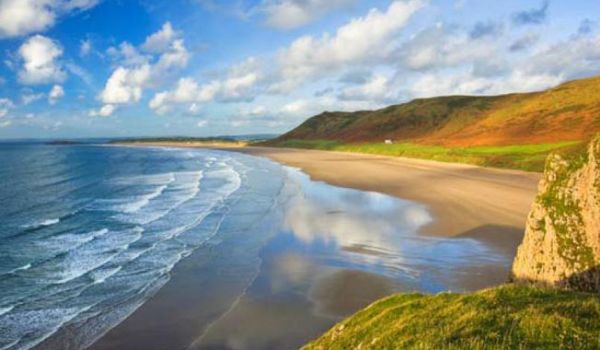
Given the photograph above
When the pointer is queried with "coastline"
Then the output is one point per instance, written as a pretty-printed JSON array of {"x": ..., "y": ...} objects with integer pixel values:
[
  {"x": 487, "y": 204},
  {"x": 281, "y": 279}
]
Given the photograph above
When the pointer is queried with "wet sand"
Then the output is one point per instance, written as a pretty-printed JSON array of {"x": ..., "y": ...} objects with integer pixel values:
[
  {"x": 487, "y": 204},
  {"x": 280, "y": 293},
  {"x": 465, "y": 200}
]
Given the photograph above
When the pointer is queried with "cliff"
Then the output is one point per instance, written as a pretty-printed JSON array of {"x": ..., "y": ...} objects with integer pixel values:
[{"x": 561, "y": 246}]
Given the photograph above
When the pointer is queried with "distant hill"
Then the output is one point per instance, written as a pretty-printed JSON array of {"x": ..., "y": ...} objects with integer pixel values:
[
  {"x": 514, "y": 130},
  {"x": 569, "y": 112}
]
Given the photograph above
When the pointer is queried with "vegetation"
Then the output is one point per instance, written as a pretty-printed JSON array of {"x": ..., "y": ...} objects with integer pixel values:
[
  {"x": 506, "y": 317},
  {"x": 564, "y": 209},
  {"x": 511, "y": 131},
  {"x": 524, "y": 157}
]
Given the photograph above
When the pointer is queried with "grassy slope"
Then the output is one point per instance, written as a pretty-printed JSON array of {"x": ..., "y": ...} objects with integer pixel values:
[
  {"x": 463, "y": 128},
  {"x": 523, "y": 157},
  {"x": 506, "y": 317}
]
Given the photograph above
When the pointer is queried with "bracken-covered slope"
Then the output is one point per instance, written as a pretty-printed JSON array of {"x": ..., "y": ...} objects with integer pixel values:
[{"x": 569, "y": 112}]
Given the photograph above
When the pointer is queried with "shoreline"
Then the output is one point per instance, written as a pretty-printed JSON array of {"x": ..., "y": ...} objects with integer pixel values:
[{"x": 487, "y": 204}]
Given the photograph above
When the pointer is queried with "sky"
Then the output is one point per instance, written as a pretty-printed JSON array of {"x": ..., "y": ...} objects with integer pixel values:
[{"x": 121, "y": 68}]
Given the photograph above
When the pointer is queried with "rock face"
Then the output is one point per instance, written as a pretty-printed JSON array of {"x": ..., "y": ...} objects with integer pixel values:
[{"x": 561, "y": 246}]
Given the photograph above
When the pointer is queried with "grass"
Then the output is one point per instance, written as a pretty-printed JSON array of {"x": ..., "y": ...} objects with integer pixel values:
[
  {"x": 506, "y": 317},
  {"x": 522, "y": 157}
]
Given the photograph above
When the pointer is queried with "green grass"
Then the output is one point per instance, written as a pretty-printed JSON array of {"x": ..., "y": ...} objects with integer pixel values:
[
  {"x": 506, "y": 317},
  {"x": 523, "y": 157}
]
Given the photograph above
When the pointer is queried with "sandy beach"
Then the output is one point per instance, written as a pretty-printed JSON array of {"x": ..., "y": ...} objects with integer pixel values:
[
  {"x": 313, "y": 267},
  {"x": 465, "y": 200}
]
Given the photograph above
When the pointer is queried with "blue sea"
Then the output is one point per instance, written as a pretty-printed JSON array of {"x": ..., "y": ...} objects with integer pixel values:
[{"x": 94, "y": 239}]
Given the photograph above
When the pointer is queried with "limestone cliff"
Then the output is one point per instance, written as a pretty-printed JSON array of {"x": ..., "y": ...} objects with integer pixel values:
[{"x": 561, "y": 246}]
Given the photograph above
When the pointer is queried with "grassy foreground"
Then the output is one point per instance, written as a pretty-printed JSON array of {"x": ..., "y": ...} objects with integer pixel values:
[
  {"x": 522, "y": 157},
  {"x": 506, "y": 317}
]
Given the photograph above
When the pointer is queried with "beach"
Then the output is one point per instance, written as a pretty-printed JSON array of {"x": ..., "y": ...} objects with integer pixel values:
[
  {"x": 466, "y": 200},
  {"x": 176, "y": 246}
]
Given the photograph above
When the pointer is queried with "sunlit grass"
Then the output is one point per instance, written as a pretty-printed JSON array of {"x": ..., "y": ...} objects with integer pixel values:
[
  {"x": 523, "y": 157},
  {"x": 506, "y": 317}
]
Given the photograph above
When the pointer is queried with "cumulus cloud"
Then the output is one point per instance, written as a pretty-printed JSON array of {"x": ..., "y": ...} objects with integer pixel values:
[
  {"x": 22, "y": 17},
  {"x": 40, "y": 61},
  {"x": 375, "y": 89},
  {"x": 161, "y": 40},
  {"x": 532, "y": 16},
  {"x": 137, "y": 72},
  {"x": 237, "y": 86},
  {"x": 127, "y": 55},
  {"x": 288, "y": 14},
  {"x": 56, "y": 93},
  {"x": 104, "y": 111},
  {"x": 125, "y": 85},
  {"x": 363, "y": 39},
  {"x": 575, "y": 58},
  {"x": 442, "y": 47}
]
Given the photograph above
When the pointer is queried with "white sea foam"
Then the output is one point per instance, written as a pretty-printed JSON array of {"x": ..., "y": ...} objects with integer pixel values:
[
  {"x": 184, "y": 187},
  {"x": 38, "y": 224},
  {"x": 89, "y": 256},
  {"x": 4, "y": 310},
  {"x": 143, "y": 200}
]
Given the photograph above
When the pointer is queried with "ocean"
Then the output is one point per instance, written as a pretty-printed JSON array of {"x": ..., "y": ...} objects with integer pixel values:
[{"x": 110, "y": 247}]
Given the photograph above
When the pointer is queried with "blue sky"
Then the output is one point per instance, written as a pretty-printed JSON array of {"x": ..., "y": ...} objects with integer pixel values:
[{"x": 88, "y": 68}]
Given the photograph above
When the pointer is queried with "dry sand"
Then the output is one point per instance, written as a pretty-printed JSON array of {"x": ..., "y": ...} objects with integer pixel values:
[{"x": 465, "y": 200}]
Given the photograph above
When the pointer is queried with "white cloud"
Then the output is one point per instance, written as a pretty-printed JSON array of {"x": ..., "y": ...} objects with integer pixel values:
[
  {"x": 21, "y": 17},
  {"x": 202, "y": 123},
  {"x": 125, "y": 85},
  {"x": 237, "y": 86},
  {"x": 575, "y": 58},
  {"x": 127, "y": 55},
  {"x": 287, "y": 14},
  {"x": 30, "y": 97},
  {"x": 161, "y": 40},
  {"x": 442, "y": 47},
  {"x": 104, "y": 111},
  {"x": 5, "y": 106},
  {"x": 137, "y": 72},
  {"x": 363, "y": 39},
  {"x": 85, "y": 47},
  {"x": 39, "y": 55},
  {"x": 377, "y": 88},
  {"x": 5, "y": 123},
  {"x": 176, "y": 56},
  {"x": 56, "y": 93}
]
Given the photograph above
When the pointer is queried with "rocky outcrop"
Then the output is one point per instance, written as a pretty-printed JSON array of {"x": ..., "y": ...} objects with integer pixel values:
[{"x": 561, "y": 246}]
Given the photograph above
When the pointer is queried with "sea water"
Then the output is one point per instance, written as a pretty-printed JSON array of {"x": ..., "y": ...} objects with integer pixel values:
[{"x": 88, "y": 234}]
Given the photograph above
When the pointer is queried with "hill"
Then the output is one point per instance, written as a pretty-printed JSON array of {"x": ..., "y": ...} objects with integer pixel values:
[
  {"x": 514, "y": 131},
  {"x": 506, "y": 317}
]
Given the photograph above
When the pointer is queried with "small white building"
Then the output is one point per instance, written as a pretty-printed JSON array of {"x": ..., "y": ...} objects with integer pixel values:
[{"x": 389, "y": 142}]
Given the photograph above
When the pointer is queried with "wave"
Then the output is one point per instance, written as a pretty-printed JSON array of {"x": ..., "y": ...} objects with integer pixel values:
[
  {"x": 43, "y": 223},
  {"x": 88, "y": 257},
  {"x": 141, "y": 201},
  {"x": 184, "y": 187}
]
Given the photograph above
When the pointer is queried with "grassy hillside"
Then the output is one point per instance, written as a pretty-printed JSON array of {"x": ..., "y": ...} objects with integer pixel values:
[
  {"x": 530, "y": 157},
  {"x": 471, "y": 129},
  {"x": 506, "y": 317}
]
